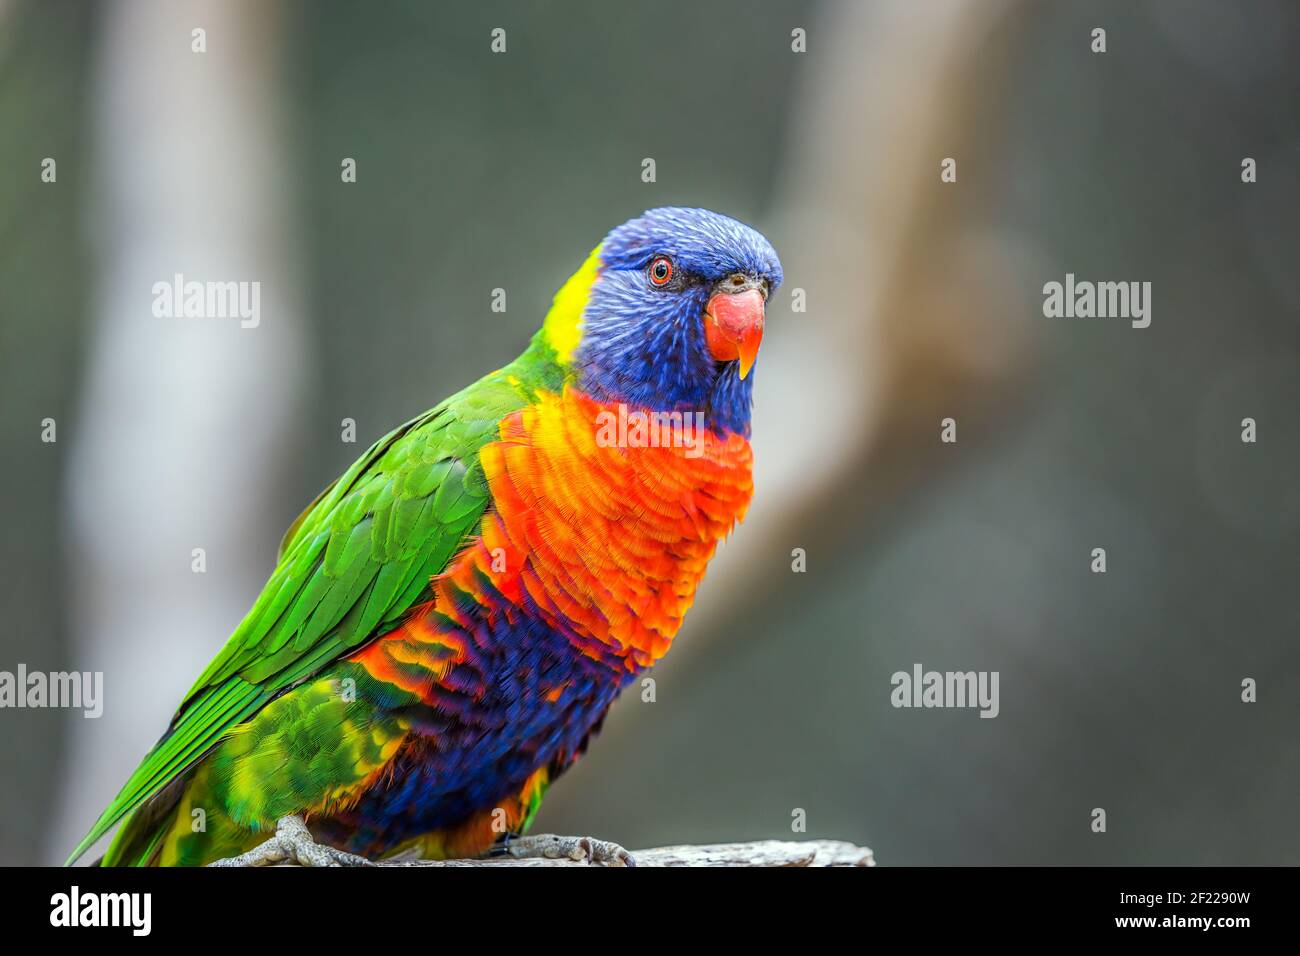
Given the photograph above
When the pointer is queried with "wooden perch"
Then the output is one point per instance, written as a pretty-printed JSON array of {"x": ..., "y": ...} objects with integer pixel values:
[{"x": 760, "y": 853}]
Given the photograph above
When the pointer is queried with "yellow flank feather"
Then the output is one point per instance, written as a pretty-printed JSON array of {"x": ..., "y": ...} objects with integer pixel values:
[{"x": 562, "y": 329}]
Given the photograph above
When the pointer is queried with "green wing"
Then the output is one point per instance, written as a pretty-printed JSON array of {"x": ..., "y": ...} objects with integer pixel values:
[{"x": 349, "y": 567}]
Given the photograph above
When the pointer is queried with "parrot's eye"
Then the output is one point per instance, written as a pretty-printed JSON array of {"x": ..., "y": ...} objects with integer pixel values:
[{"x": 660, "y": 270}]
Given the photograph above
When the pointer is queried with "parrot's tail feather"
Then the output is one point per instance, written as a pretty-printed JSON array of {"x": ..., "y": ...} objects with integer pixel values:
[{"x": 140, "y": 836}]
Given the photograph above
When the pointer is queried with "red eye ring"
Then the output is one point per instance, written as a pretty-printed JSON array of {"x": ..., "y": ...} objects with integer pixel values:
[{"x": 660, "y": 270}]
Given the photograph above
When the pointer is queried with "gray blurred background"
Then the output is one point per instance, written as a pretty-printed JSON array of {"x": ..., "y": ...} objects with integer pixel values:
[{"x": 478, "y": 170}]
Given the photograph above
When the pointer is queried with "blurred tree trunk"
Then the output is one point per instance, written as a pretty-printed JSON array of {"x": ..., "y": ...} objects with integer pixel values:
[{"x": 185, "y": 423}]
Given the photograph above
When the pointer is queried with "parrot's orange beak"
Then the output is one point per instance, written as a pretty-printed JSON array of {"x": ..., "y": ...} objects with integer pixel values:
[{"x": 733, "y": 326}]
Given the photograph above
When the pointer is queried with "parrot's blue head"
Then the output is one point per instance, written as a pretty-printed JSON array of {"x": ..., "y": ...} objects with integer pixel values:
[{"x": 667, "y": 314}]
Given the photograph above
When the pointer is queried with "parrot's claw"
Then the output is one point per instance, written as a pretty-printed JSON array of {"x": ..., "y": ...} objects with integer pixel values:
[
  {"x": 293, "y": 843},
  {"x": 548, "y": 846}
]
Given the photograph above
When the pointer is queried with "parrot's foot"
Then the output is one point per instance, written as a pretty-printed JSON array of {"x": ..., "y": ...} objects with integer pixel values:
[
  {"x": 293, "y": 843},
  {"x": 548, "y": 846}
]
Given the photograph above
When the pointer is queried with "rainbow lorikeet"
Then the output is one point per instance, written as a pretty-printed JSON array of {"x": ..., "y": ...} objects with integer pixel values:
[{"x": 449, "y": 621}]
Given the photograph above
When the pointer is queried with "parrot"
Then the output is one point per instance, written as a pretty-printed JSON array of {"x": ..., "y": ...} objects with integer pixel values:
[{"x": 449, "y": 621}]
